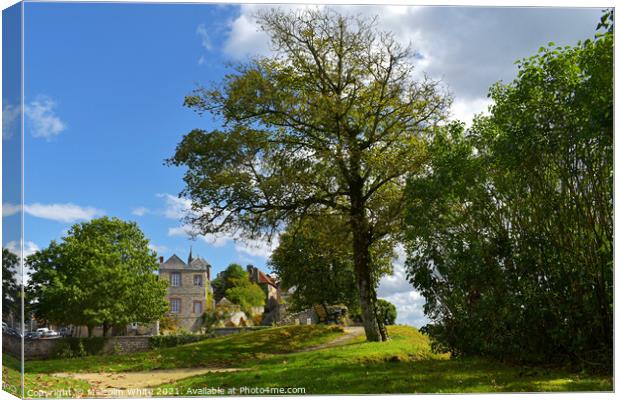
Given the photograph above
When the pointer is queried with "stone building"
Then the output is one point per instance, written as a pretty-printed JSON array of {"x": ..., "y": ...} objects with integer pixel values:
[
  {"x": 268, "y": 284},
  {"x": 189, "y": 289}
]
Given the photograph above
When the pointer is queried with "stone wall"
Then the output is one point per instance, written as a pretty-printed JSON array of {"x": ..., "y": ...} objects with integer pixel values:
[
  {"x": 43, "y": 348},
  {"x": 305, "y": 317}
]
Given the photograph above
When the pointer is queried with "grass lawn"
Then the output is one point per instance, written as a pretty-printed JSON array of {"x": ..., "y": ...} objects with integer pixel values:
[
  {"x": 36, "y": 385},
  {"x": 403, "y": 365},
  {"x": 218, "y": 352}
]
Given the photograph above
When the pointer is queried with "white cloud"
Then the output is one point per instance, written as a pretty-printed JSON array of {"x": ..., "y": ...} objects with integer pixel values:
[
  {"x": 176, "y": 207},
  {"x": 245, "y": 38},
  {"x": 9, "y": 209},
  {"x": 201, "y": 31},
  {"x": 215, "y": 240},
  {"x": 396, "y": 289},
  {"x": 465, "y": 111},
  {"x": 409, "y": 308},
  {"x": 158, "y": 249},
  {"x": 257, "y": 248},
  {"x": 67, "y": 212},
  {"x": 44, "y": 122},
  {"x": 10, "y": 115},
  {"x": 29, "y": 247},
  {"x": 140, "y": 211}
]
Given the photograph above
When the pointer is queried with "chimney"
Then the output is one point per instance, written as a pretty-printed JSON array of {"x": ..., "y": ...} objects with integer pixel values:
[
  {"x": 250, "y": 269},
  {"x": 161, "y": 259}
]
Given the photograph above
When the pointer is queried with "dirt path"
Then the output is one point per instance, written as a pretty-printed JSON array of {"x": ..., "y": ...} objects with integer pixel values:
[
  {"x": 350, "y": 333},
  {"x": 146, "y": 379},
  {"x": 140, "y": 380}
]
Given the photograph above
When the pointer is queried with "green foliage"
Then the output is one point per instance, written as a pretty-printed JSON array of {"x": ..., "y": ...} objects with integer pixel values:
[
  {"x": 161, "y": 341},
  {"x": 233, "y": 275},
  {"x": 330, "y": 125},
  {"x": 234, "y": 284},
  {"x": 101, "y": 273},
  {"x": 510, "y": 232},
  {"x": 315, "y": 259},
  {"x": 10, "y": 286},
  {"x": 386, "y": 311},
  {"x": 246, "y": 295},
  {"x": 78, "y": 347}
]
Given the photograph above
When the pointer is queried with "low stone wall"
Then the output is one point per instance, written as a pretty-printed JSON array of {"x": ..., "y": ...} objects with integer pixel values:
[
  {"x": 43, "y": 348},
  {"x": 305, "y": 317}
]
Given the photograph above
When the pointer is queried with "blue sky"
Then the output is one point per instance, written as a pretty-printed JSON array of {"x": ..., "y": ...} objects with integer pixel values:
[{"x": 104, "y": 87}]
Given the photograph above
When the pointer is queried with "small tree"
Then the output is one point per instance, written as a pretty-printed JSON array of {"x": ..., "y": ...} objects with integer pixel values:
[
  {"x": 10, "y": 287},
  {"x": 387, "y": 312},
  {"x": 234, "y": 284},
  {"x": 101, "y": 273},
  {"x": 233, "y": 274}
]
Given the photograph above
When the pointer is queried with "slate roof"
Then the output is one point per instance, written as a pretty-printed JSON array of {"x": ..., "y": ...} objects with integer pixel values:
[{"x": 175, "y": 263}]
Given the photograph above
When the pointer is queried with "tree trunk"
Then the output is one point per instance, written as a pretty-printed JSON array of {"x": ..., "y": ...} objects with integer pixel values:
[
  {"x": 90, "y": 331},
  {"x": 373, "y": 328},
  {"x": 106, "y": 327}
]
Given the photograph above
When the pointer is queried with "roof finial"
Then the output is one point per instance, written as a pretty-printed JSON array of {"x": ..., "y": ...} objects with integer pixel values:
[{"x": 190, "y": 258}]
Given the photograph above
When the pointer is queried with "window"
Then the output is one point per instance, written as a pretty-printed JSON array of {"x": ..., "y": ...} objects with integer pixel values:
[
  {"x": 197, "y": 307},
  {"x": 175, "y": 279},
  {"x": 197, "y": 280},
  {"x": 175, "y": 305}
]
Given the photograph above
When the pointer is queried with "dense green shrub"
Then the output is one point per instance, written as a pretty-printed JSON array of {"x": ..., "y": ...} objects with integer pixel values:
[
  {"x": 175, "y": 340},
  {"x": 71, "y": 347},
  {"x": 510, "y": 231}
]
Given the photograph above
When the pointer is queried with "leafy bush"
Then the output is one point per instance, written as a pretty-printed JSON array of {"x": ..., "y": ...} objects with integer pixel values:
[
  {"x": 79, "y": 347},
  {"x": 162, "y": 341}
]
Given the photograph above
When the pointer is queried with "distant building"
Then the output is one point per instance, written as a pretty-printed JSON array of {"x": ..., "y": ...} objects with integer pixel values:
[
  {"x": 189, "y": 289},
  {"x": 268, "y": 284}
]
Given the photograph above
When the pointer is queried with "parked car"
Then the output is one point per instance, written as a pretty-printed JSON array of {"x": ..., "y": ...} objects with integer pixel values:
[
  {"x": 47, "y": 333},
  {"x": 33, "y": 335},
  {"x": 4, "y": 326}
]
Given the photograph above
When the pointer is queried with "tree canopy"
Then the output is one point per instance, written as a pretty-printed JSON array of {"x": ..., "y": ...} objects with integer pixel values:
[
  {"x": 101, "y": 273},
  {"x": 329, "y": 125},
  {"x": 510, "y": 233},
  {"x": 234, "y": 284},
  {"x": 10, "y": 287},
  {"x": 315, "y": 259},
  {"x": 387, "y": 311}
]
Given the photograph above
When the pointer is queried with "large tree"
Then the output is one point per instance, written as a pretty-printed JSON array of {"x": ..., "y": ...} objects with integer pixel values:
[
  {"x": 101, "y": 274},
  {"x": 330, "y": 124},
  {"x": 511, "y": 229}
]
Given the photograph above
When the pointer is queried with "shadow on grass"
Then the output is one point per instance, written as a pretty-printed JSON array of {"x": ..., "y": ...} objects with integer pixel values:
[{"x": 423, "y": 376}]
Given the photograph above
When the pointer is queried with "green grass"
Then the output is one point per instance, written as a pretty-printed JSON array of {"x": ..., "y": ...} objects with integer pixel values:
[
  {"x": 37, "y": 385},
  {"x": 403, "y": 365},
  {"x": 217, "y": 352}
]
